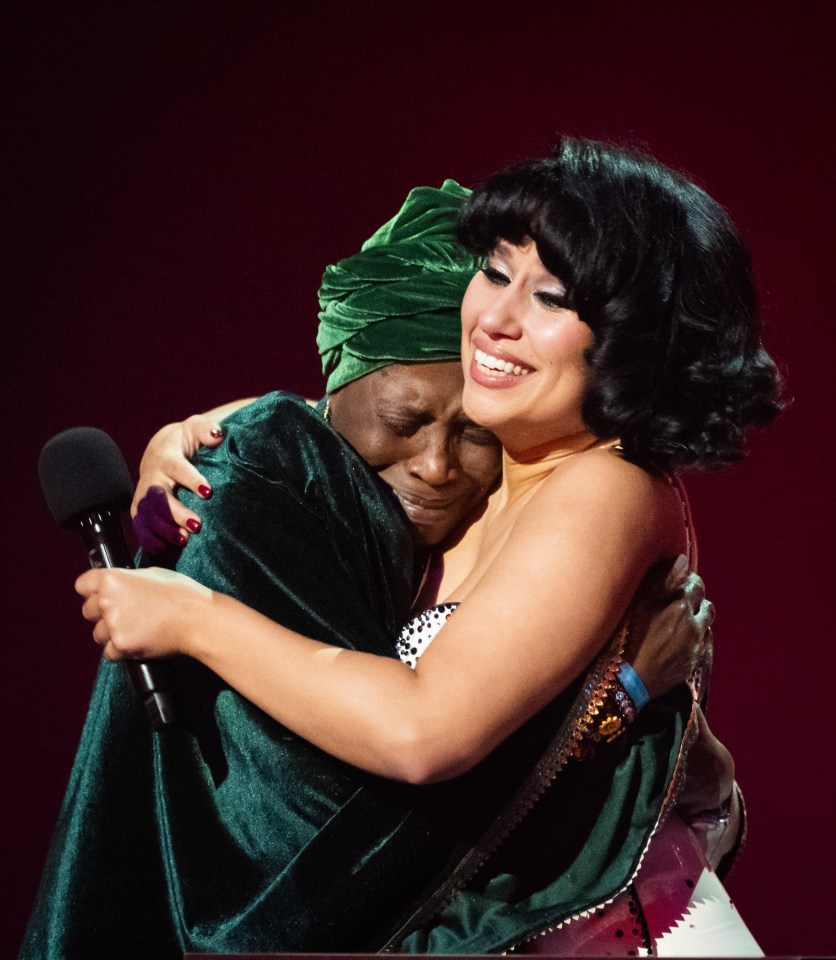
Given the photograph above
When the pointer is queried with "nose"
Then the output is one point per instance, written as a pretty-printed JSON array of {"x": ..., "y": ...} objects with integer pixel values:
[
  {"x": 499, "y": 316},
  {"x": 435, "y": 462}
]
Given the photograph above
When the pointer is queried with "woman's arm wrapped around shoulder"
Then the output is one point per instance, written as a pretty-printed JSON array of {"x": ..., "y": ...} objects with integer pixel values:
[
  {"x": 159, "y": 519},
  {"x": 540, "y": 608}
]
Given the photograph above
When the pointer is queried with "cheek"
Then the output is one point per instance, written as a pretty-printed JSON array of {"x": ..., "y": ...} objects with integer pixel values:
[
  {"x": 564, "y": 346},
  {"x": 392, "y": 460},
  {"x": 379, "y": 449},
  {"x": 470, "y": 306},
  {"x": 481, "y": 465}
]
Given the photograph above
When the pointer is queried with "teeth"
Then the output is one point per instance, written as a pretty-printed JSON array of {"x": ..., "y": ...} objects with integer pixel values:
[{"x": 494, "y": 363}]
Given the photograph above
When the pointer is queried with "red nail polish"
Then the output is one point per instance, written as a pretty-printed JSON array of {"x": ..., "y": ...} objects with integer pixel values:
[
  {"x": 182, "y": 539},
  {"x": 205, "y": 491},
  {"x": 193, "y": 525}
]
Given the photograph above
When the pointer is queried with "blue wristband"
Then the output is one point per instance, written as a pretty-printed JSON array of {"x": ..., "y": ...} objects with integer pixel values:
[{"x": 632, "y": 683}]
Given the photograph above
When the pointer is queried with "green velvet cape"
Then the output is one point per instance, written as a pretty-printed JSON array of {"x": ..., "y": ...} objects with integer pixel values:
[{"x": 231, "y": 834}]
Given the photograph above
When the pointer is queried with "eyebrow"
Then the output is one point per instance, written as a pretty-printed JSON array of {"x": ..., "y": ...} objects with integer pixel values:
[
  {"x": 502, "y": 246},
  {"x": 402, "y": 407}
]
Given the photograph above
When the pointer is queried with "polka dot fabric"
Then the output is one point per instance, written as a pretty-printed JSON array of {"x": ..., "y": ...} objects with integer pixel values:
[{"x": 419, "y": 633}]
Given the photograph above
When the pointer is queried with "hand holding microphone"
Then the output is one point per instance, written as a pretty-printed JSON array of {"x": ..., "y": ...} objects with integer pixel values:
[
  {"x": 139, "y": 613},
  {"x": 87, "y": 485}
]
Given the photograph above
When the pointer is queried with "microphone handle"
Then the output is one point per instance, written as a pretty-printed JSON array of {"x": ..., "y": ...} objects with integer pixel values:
[{"x": 104, "y": 538}]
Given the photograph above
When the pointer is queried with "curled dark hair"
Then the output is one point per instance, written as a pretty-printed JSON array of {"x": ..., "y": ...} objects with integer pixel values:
[{"x": 657, "y": 270}]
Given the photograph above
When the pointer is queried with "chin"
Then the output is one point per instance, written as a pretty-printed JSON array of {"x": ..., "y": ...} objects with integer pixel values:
[
  {"x": 433, "y": 536},
  {"x": 430, "y": 538}
]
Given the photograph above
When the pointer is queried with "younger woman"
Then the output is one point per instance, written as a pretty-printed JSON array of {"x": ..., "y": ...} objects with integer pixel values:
[{"x": 610, "y": 340}]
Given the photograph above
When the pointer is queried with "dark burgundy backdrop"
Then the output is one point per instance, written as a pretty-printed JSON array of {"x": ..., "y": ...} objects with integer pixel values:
[{"x": 180, "y": 174}]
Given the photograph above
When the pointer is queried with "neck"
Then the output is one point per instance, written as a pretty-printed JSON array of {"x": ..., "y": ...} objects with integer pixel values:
[{"x": 524, "y": 470}]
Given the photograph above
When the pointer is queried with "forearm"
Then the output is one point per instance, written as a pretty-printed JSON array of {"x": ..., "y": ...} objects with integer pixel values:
[
  {"x": 370, "y": 711},
  {"x": 227, "y": 409}
]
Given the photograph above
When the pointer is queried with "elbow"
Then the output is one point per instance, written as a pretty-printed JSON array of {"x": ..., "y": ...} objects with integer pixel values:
[{"x": 421, "y": 757}]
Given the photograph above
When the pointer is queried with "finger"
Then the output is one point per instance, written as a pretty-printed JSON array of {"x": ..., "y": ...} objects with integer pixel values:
[
  {"x": 200, "y": 429},
  {"x": 91, "y": 608},
  {"x": 149, "y": 544},
  {"x": 156, "y": 527},
  {"x": 174, "y": 529},
  {"x": 152, "y": 542},
  {"x": 210, "y": 434},
  {"x": 676, "y": 575},
  {"x": 704, "y": 617},
  {"x": 164, "y": 526},
  {"x": 694, "y": 591},
  {"x": 184, "y": 518},
  {"x": 88, "y": 582},
  {"x": 101, "y": 634},
  {"x": 185, "y": 474}
]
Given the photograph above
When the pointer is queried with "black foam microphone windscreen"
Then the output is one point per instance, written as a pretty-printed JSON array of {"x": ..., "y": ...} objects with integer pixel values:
[{"x": 87, "y": 485}]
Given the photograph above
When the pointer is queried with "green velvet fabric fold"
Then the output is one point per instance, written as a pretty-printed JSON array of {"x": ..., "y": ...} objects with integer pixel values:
[
  {"x": 232, "y": 834},
  {"x": 398, "y": 300},
  {"x": 577, "y": 847}
]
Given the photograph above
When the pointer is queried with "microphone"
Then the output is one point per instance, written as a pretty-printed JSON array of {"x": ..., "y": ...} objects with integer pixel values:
[{"x": 87, "y": 485}]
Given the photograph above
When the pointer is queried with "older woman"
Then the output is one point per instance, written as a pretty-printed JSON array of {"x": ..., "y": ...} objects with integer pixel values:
[
  {"x": 239, "y": 821},
  {"x": 609, "y": 340}
]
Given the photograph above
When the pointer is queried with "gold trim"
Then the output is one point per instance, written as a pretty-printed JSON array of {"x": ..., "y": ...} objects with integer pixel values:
[{"x": 586, "y": 706}]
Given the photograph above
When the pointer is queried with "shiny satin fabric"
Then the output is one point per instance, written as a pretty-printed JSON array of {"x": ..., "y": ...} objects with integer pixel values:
[{"x": 231, "y": 834}]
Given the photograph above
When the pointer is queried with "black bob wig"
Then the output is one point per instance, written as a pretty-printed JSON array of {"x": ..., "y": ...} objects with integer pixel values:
[{"x": 657, "y": 270}]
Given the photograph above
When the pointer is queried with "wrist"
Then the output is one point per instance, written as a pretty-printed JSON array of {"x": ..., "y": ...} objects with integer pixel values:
[
  {"x": 632, "y": 685},
  {"x": 616, "y": 710},
  {"x": 197, "y": 611}
]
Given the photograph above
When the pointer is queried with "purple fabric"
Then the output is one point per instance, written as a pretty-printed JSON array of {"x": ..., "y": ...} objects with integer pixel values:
[{"x": 155, "y": 528}]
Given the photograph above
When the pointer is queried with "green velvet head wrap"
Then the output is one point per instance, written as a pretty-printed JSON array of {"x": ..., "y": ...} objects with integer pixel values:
[{"x": 398, "y": 300}]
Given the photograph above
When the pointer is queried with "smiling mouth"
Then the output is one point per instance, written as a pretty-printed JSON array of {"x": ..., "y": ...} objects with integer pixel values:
[{"x": 493, "y": 366}]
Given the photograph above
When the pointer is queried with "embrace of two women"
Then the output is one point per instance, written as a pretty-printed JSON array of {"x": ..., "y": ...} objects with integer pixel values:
[{"x": 435, "y": 695}]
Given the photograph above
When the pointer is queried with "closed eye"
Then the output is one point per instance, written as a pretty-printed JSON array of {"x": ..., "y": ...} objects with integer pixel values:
[
  {"x": 401, "y": 428},
  {"x": 480, "y": 436},
  {"x": 554, "y": 301},
  {"x": 495, "y": 276}
]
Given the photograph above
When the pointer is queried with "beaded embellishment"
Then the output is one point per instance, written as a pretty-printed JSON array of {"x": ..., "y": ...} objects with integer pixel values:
[{"x": 417, "y": 635}]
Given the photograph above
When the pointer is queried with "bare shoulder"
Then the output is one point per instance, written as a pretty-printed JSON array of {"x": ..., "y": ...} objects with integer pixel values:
[
  {"x": 603, "y": 472},
  {"x": 601, "y": 487}
]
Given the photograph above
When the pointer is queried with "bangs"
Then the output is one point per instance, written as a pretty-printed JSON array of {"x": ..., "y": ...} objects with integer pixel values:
[{"x": 586, "y": 231}]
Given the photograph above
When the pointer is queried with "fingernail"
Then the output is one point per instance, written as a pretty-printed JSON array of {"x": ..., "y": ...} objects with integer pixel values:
[
  {"x": 205, "y": 491},
  {"x": 193, "y": 525},
  {"x": 680, "y": 567},
  {"x": 216, "y": 432},
  {"x": 182, "y": 539}
]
